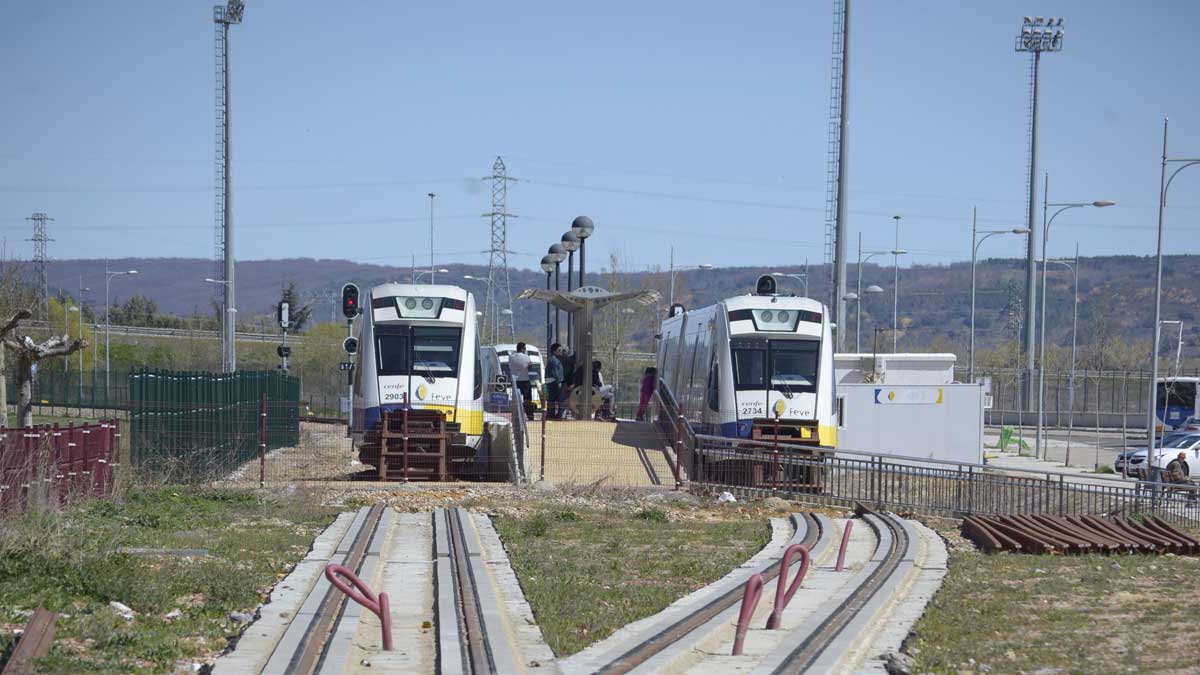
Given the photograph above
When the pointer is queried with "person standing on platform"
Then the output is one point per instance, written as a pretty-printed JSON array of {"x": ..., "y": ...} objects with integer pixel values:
[
  {"x": 649, "y": 379},
  {"x": 554, "y": 381},
  {"x": 570, "y": 378},
  {"x": 518, "y": 365}
]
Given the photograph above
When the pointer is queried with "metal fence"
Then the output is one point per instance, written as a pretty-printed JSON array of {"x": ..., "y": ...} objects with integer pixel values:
[
  {"x": 91, "y": 389},
  {"x": 45, "y": 465},
  {"x": 192, "y": 424},
  {"x": 943, "y": 488},
  {"x": 1094, "y": 391}
]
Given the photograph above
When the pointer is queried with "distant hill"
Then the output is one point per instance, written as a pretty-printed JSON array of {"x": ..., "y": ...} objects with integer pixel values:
[{"x": 1116, "y": 293}]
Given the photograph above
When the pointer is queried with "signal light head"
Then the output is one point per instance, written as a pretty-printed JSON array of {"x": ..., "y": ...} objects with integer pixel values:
[{"x": 350, "y": 308}]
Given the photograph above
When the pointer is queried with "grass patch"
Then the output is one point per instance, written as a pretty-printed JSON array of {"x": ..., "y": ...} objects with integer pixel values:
[
  {"x": 1083, "y": 614},
  {"x": 588, "y": 573},
  {"x": 1105, "y": 468},
  {"x": 71, "y": 563}
]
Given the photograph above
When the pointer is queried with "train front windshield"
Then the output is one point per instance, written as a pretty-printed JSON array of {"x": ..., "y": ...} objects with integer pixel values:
[
  {"x": 788, "y": 366},
  {"x": 417, "y": 350}
]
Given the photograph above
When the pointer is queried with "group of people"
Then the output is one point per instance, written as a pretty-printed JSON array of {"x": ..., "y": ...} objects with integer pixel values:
[{"x": 561, "y": 378}]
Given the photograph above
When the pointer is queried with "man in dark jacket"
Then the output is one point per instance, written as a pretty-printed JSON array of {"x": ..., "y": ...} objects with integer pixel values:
[
  {"x": 1177, "y": 470},
  {"x": 554, "y": 382}
]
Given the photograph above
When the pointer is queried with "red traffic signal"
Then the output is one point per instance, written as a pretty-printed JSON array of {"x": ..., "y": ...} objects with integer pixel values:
[{"x": 350, "y": 307}]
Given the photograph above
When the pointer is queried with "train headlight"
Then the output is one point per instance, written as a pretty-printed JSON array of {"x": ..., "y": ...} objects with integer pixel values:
[
  {"x": 768, "y": 316},
  {"x": 410, "y": 303},
  {"x": 427, "y": 304},
  {"x": 782, "y": 317}
]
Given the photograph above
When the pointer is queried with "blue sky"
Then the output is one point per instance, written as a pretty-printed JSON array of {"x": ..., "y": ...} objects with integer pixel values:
[{"x": 697, "y": 124}]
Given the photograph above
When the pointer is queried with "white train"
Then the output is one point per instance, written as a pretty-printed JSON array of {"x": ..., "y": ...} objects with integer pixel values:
[
  {"x": 535, "y": 367},
  {"x": 418, "y": 343},
  {"x": 739, "y": 367}
]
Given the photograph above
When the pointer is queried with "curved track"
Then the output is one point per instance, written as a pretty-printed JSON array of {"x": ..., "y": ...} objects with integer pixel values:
[
  {"x": 892, "y": 535},
  {"x": 681, "y": 629}
]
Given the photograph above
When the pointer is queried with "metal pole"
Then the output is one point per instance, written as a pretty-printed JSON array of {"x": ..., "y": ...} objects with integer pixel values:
[
  {"x": 549, "y": 336},
  {"x": 557, "y": 313},
  {"x": 107, "y": 279},
  {"x": 1151, "y": 415},
  {"x": 1071, "y": 378},
  {"x": 570, "y": 286},
  {"x": 971, "y": 349},
  {"x": 350, "y": 384},
  {"x": 432, "y": 269},
  {"x": 839, "y": 242},
  {"x": 857, "y": 307},
  {"x": 1038, "y": 452},
  {"x": 896, "y": 289},
  {"x": 582, "y": 243},
  {"x": 806, "y": 268},
  {"x": 1031, "y": 252},
  {"x": 230, "y": 316},
  {"x": 671, "y": 274}
]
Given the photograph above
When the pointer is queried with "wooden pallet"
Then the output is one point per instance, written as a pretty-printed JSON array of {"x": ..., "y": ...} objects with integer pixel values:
[{"x": 418, "y": 440}]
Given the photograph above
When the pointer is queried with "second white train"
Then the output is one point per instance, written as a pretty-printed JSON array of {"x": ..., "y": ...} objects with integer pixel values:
[{"x": 753, "y": 364}]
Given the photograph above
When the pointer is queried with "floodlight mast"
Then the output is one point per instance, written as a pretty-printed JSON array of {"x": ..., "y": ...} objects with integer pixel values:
[
  {"x": 224, "y": 17},
  {"x": 1038, "y": 35}
]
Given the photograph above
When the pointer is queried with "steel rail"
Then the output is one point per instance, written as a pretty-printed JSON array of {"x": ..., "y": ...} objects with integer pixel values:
[
  {"x": 806, "y": 653},
  {"x": 466, "y": 592},
  {"x": 656, "y": 643},
  {"x": 308, "y": 654}
]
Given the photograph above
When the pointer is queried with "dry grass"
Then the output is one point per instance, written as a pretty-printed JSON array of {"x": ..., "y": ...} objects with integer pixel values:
[
  {"x": 1081, "y": 614},
  {"x": 587, "y": 572},
  {"x": 77, "y": 561}
]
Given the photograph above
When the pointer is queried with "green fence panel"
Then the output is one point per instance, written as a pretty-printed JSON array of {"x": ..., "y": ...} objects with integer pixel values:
[{"x": 203, "y": 426}]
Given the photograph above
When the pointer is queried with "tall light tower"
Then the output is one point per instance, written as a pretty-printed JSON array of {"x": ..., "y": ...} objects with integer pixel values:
[
  {"x": 1038, "y": 35},
  {"x": 40, "y": 261},
  {"x": 835, "y": 193},
  {"x": 224, "y": 17},
  {"x": 499, "y": 290}
]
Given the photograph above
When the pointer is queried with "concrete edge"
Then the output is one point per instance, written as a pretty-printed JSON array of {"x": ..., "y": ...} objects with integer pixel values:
[
  {"x": 931, "y": 570},
  {"x": 527, "y": 633},
  {"x": 495, "y": 628},
  {"x": 449, "y": 658}
]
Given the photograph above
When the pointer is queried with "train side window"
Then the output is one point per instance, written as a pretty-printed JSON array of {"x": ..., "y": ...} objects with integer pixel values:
[
  {"x": 841, "y": 412},
  {"x": 714, "y": 387},
  {"x": 478, "y": 389}
]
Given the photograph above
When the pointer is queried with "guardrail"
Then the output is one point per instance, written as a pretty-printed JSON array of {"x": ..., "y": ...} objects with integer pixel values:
[
  {"x": 932, "y": 486},
  {"x": 150, "y": 331}
]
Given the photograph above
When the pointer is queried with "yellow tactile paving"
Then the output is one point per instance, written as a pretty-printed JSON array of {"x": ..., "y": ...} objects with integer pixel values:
[{"x": 610, "y": 453}]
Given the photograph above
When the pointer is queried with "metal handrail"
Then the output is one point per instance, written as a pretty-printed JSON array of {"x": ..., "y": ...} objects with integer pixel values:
[{"x": 1039, "y": 474}]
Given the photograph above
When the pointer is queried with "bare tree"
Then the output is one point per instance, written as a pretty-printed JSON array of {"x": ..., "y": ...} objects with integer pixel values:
[{"x": 28, "y": 353}]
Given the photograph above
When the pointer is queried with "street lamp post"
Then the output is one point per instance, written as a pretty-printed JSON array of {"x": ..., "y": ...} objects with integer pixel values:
[
  {"x": 1164, "y": 185},
  {"x": 802, "y": 277},
  {"x": 441, "y": 270},
  {"x": 1074, "y": 267},
  {"x": 582, "y": 227},
  {"x": 1041, "y": 413},
  {"x": 431, "y": 268},
  {"x": 548, "y": 267},
  {"x": 556, "y": 252},
  {"x": 896, "y": 286},
  {"x": 107, "y": 279},
  {"x": 862, "y": 261},
  {"x": 570, "y": 244},
  {"x": 974, "y": 252},
  {"x": 677, "y": 270}
]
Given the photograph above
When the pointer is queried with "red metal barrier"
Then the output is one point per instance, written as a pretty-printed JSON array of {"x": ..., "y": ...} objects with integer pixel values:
[
  {"x": 65, "y": 460},
  {"x": 782, "y": 598},
  {"x": 678, "y": 450},
  {"x": 545, "y": 413},
  {"x": 845, "y": 542},
  {"x": 377, "y": 605},
  {"x": 405, "y": 447},
  {"x": 750, "y": 596}
]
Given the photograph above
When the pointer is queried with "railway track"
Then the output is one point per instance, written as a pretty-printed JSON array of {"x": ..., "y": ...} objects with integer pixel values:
[{"x": 850, "y": 613}]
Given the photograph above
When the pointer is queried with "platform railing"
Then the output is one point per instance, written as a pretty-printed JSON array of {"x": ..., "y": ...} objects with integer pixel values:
[{"x": 925, "y": 485}]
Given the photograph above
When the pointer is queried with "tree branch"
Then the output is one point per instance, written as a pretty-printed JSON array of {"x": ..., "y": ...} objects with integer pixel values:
[{"x": 19, "y": 316}]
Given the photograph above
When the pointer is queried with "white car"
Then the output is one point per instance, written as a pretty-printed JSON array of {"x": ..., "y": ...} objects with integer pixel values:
[{"x": 1188, "y": 444}]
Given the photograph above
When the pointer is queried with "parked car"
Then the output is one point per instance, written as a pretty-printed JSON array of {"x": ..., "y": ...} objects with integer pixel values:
[
  {"x": 1170, "y": 449},
  {"x": 1134, "y": 457},
  {"x": 1191, "y": 424}
]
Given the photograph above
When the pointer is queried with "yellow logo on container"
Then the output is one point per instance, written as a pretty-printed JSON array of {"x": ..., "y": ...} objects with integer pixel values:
[
  {"x": 892, "y": 395},
  {"x": 779, "y": 407},
  {"x": 421, "y": 392}
]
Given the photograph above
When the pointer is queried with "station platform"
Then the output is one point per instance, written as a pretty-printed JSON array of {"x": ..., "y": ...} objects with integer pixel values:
[{"x": 582, "y": 452}]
